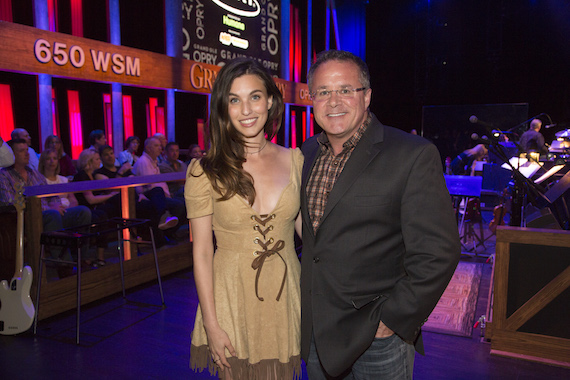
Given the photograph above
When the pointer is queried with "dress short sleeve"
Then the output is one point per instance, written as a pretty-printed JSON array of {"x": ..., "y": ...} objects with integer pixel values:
[
  {"x": 198, "y": 192},
  {"x": 298, "y": 160}
]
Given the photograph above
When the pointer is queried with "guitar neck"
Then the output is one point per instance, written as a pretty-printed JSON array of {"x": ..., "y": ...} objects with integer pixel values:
[
  {"x": 20, "y": 205},
  {"x": 20, "y": 244}
]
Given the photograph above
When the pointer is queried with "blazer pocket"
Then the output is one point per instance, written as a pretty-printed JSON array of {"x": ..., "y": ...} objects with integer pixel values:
[{"x": 360, "y": 301}]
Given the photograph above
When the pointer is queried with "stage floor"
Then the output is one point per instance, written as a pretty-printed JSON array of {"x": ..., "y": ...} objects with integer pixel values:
[{"x": 138, "y": 339}]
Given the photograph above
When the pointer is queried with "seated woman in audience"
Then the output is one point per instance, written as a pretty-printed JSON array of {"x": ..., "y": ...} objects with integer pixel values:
[
  {"x": 48, "y": 166},
  {"x": 130, "y": 153},
  {"x": 103, "y": 205},
  {"x": 66, "y": 167}
]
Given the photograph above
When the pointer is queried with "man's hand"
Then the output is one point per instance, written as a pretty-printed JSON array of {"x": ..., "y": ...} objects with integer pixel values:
[{"x": 383, "y": 331}]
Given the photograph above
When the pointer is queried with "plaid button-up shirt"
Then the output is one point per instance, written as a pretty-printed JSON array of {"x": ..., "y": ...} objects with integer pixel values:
[
  {"x": 326, "y": 171},
  {"x": 8, "y": 179}
]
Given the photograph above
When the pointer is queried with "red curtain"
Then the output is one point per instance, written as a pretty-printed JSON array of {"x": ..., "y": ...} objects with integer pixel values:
[
  {"x": 128, "y": 116},
  {"x": 6, "y": 10},
  {"x": 151, "y": 116},
  {"x": 108, "y": 112},
  {"x": 75, "y": 123},
  {"x": 54, "y": 116},
  {"x": 52, "y": 15},
  {"x": 6, "y": 112},
  {"x": 293, "y": 130},
  {"x": 77, "y": 18}
]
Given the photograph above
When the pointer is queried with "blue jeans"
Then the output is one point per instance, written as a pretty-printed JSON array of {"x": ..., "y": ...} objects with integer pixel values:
[{"x": 387, "y": 358}]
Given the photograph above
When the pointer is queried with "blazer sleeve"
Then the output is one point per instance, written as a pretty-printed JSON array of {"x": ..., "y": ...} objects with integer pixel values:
[{"x": 432, "y": 248}]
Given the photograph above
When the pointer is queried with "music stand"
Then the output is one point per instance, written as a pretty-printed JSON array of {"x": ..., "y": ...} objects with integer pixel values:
[{"x": 466, "y": 187}]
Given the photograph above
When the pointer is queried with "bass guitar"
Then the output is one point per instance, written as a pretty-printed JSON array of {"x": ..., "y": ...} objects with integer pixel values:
[{"x": 17, "y": 310}]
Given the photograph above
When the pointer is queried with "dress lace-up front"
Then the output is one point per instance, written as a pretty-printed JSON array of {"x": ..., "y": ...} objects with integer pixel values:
[{"x": 267, "y": 251}]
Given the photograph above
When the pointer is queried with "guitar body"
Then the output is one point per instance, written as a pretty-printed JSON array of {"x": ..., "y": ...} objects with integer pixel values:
[{"x": 17, "y": 311}]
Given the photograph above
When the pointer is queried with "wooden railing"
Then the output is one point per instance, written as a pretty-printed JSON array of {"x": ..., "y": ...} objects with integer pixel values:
[
  {"x": 531, "y": 304},
  {"x": 59, "y": 296}
]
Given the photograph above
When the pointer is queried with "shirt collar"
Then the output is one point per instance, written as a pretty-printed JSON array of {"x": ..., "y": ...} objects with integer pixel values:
[{"x": 323, "y": 139}]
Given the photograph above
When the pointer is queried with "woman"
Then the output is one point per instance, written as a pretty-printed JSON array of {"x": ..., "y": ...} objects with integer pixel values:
[
  {"x": 130, "y": 153},
  {"x": 103, "y": 206},
  {"x": 67, "y": 169},
  {"x": 49, "y": 166},
  {"x": 246, "y": 190}
]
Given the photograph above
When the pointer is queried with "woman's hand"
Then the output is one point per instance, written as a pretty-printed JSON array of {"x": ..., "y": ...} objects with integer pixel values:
[{"x": 218, "y": 341}]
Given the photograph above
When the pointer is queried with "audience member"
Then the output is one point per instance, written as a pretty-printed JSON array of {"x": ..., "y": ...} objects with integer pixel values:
[
  {"x": 148, "y": 165},
  {"x": 54, "y": 215},
  {"x": 6, "y": 154},
  {"x": 151, "y": 205},
  {"x": 130, "y": 153},
  {"x": 21, "y": 133},
  {"x": 194, "y": 151},
  {"x": 97, "y": 139},
  {"x": 172, "y": 165},
  {"x": 108, "y": 167},
  {"x": 103, "y": 205},
  {"x": 163, "y": 141},
  {"x": 65, "y": 162},
  {"x": 49, "y": 167}
]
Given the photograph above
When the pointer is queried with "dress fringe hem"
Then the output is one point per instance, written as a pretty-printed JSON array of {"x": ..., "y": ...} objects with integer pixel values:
[{"x": 267, "y": 369}]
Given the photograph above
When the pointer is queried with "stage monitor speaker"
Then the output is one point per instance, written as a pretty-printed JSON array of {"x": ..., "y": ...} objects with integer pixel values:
[{"x": 542, "y": 218}]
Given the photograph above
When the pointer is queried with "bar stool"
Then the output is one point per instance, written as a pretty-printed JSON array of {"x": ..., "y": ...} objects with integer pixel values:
[{"x": 76, "y": 237}]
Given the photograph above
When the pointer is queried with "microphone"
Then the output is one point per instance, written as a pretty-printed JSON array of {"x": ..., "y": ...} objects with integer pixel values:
[
  {"x": 498, "y": 132},
  {"x": 550, "y": 126},
  {"x": 481, "y": 140},
  {"x": 475, "y": 120}
]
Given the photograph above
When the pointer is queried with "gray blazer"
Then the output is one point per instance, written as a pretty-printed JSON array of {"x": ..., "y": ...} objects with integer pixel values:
[{"x": 386, "y": 247}]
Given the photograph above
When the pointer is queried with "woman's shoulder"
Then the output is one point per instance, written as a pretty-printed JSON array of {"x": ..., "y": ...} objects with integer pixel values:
[
  {"x": 194, "y": 168},
  {"x": 61, "y": 179},
  {"x": 297, "y": 156}
]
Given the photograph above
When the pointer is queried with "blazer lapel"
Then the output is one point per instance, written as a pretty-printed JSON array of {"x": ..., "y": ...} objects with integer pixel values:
[
  {"x": 310, "y": 157},
  {"x": 368, "y": 147}
]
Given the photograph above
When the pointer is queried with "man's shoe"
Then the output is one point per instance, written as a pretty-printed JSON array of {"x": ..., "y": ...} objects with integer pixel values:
[{"x": 168, "y": 223}]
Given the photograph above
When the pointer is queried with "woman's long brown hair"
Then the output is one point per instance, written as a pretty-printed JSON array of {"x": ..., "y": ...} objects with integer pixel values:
[{"x": 223, "y": 164}]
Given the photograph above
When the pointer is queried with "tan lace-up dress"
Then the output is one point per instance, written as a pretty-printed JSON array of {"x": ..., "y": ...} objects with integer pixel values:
[{"x": 256, "y": 280}]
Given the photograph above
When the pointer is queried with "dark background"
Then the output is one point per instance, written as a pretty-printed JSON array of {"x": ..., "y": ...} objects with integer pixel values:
[{"x": 469, "y": 52}]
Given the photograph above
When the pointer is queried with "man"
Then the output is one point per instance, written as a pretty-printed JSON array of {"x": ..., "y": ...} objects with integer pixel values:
[
  {"x": 54, "y": 215},
  {"x": 163, "y": 142},
  {"x": 21, "y": 133},
  {"x": 148, "y": 165},
  {"x": 173, "y": 165},
  {"x": 532, "y": 140},
  {"x": 380, "y": 242},
  {"x": 6, "y": 154},
  {"x": 97, "y": 140}
]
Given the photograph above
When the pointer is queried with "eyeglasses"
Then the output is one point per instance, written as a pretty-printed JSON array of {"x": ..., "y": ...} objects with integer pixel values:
[{"x": 346, "y": 93}]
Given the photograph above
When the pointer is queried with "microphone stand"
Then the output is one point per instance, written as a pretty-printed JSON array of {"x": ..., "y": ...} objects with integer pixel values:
[{"x": 522, "y": 184}]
